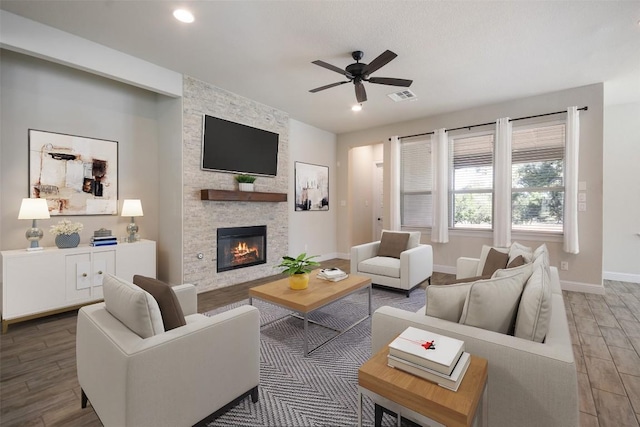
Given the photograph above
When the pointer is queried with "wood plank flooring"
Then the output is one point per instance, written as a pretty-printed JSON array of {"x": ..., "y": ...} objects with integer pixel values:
[{"x": 39, "y": 387}]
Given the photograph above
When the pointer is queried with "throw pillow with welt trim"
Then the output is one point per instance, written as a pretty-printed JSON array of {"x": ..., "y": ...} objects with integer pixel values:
[
  {"x": 446, "y": 301},
  {"x": 170, "y": 309},
  {"x": 392, "y": 244},
  {"x": 534, "y": 312}
]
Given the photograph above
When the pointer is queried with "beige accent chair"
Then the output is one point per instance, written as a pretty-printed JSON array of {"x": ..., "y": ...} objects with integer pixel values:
[
  {"x": 414, "y": 266},
  {"x": 530, "y": 383},
  {"x": 174, "y": 378}
]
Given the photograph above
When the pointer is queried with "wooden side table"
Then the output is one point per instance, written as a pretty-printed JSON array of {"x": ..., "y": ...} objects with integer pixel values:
[{"x": 422, "y": 401}]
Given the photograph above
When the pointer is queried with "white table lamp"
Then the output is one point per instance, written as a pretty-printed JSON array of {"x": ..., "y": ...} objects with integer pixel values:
[
  {"x": 34, "y": 209},
  {"x": 132, "y": 208}
]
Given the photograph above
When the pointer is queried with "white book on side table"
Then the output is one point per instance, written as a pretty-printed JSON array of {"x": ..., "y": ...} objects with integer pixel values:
[
  {"x": 451, "y": 382},
  {"x": 427, "y": 349}
]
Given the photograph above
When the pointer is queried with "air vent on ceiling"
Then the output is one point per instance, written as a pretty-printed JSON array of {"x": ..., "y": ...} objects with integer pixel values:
[{"x": 403, "y": 95}]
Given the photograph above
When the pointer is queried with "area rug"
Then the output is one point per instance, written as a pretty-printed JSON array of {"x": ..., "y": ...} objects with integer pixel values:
[{"x": 319, "y": 390}]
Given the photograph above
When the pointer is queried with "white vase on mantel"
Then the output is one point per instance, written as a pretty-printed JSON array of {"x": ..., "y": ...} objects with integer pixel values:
[{"x": 245, "y": 186}]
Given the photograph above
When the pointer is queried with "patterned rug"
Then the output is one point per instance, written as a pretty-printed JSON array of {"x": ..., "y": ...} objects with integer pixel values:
[{"x": 319, "y": 390}]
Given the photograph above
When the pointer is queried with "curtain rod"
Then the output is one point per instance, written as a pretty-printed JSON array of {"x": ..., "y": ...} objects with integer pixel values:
[{"x": 585, "y": 108}]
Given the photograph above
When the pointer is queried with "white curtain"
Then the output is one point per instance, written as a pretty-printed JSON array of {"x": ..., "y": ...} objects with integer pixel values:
[
  {"x": 394, "y": 193},
  {"x": 572, "y": 140},
  {"x": 440, "y": 171},
  {"x": 502, "y": 184}
]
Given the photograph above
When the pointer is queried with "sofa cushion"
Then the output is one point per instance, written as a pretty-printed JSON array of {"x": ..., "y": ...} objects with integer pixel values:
[
  {"x": 525, "y": 269},
  {"x": 534, "y": 311},
  {"x": 446, "y": 301},
  {"x": 542, "y": 253},
  {"x": 170, "y": 309},
  {"x": 392, "y": 244},
  {"x": 132, "y": 306},
  {"x": 492, "y": 304},
  {"x": 380, "y": 265},
  {"x": 516, "y": 249},
  {"x": 496, "y": 260},
  {"x": 483, "y": 257}
]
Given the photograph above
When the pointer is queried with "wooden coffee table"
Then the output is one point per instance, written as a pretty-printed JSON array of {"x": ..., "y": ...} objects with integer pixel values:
[
  {"x": 422, "y": 401},
  {"x": 319, "y": 294}
]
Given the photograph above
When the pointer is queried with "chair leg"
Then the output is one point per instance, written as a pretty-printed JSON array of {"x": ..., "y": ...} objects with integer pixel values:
[
  {"x": 254, "y": 394},
  {"x": 378, "y": 416},
  {"x": 408, "y": 293},
  {"x": 429, "y": 280},
  {"x": 83, "y": 399}
]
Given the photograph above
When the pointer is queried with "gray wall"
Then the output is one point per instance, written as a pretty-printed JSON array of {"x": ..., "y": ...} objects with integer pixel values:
[
  {"x": 584, "y": 268},
  {"x": 42, "y": 95}
]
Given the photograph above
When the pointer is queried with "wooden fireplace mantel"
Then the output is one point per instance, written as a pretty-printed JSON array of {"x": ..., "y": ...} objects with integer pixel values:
[{"x": 241, "y": 196}]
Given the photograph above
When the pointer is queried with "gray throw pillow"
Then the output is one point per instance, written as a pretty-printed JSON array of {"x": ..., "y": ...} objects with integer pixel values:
[{"x": 392, "y": 244}]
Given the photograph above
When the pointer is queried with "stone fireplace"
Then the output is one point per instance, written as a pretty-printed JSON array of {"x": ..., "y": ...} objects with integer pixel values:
[{"x": 240, "y": 247}]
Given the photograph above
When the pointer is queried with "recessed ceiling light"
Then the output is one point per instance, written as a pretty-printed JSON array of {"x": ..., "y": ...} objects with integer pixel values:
[
  {"x": 356, "y": 107},
  {"x": 183, "y": 15}
]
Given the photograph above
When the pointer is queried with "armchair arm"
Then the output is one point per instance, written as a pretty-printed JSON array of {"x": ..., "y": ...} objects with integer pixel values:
[
  {"x": 466, "y": 267},
  {"x": 361, "y": 252},
  {"x": 416, "y": 265},
  {"x": 187, "y": 297}
]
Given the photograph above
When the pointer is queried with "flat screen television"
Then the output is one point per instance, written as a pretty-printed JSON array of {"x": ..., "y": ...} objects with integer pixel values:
[{"x": 236, "y": 148}]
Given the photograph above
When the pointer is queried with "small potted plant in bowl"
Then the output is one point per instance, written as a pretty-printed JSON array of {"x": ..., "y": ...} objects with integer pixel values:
[
  {"x": 245, "y": 182},
  {"x": 298, "y": 269},
  {"x": 67, "y": 233}
]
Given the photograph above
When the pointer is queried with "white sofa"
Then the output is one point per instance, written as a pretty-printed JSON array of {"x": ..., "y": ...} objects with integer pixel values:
[
  {"x": 414, "y": 266},
  {"x": 530, "y": 384},
  {"x": 174, "y": 378}
]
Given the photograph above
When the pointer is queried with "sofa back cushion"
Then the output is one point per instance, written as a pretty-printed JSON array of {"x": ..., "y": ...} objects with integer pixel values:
[
  {"x": 492, "y": 304},
  {"x": 132, "y": 306},
  {"x": 393, "y": 243},
  {"x": 534, "y": 311},
  {"x": 446, "y": 301},
  {"x": 170, "y": 309}
]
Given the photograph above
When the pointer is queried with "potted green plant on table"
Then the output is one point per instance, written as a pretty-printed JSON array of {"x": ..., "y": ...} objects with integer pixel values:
[
  {"x": 245, "y": 182},
  {"x": 298, "y": 269}
]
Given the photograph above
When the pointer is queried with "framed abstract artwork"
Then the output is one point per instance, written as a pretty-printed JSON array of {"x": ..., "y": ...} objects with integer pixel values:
[
  {"x": 77, "y": 175},
  {"x": 312, "y": 187}
]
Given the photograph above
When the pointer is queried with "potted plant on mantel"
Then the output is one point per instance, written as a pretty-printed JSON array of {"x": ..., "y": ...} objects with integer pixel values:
[
  {"x": 298, "y": 270},
  {"x": 245, "y": 182}
]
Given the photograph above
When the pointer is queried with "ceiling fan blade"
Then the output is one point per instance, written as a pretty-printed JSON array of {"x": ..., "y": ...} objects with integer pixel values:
[
  {"x": 332, "y": 68},
  {"x": 390, "y": 81},
  {"x": 361, "y": 94},
  {"x": 383, "y": 59},
  {"x": 318, "y": 89}
]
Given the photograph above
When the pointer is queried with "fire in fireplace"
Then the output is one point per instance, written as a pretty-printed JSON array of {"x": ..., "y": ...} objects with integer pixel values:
[{"x": 240, "y": 247}]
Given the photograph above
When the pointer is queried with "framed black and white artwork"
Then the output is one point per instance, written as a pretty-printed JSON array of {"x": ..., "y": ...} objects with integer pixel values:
[{"x": 312, "y": 187}]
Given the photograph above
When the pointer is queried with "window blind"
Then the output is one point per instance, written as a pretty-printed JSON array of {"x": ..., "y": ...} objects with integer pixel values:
[{"x": 416, "y": 184}]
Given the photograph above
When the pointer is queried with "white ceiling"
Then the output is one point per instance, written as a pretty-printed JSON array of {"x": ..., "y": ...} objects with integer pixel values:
[{"x": 460, "y": 54}]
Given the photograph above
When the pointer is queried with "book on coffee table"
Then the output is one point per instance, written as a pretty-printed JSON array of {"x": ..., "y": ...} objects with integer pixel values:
[
  {"x": 451, "y": 382},
  {"x": 332, "y": 274},
  {"x": 427, "y": 349}
]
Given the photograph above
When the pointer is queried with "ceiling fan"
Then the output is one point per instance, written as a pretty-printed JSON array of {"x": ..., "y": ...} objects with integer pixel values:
[{"x": 359, "y": 72}]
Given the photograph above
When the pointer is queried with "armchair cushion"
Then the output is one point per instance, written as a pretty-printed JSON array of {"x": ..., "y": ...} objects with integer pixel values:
[
  {"x": 381, "y": 265},
  {"x": 132, "y": 306},
  {"x": 172, "y": 315},
  {"x": 392, "y": 244}
]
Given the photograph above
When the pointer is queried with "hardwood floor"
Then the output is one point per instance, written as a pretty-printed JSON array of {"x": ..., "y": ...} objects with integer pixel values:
[{"x": 38, "y": 384}]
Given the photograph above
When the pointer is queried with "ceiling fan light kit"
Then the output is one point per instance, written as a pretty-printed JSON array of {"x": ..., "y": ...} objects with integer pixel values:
[{"x": 359, "y": 72}]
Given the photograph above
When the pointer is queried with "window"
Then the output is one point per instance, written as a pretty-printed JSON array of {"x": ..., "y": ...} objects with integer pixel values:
[
  {"x": 471, "y": 181},
  {"x": 416, "y": 184},
  {"x": 537, "y": 194}
]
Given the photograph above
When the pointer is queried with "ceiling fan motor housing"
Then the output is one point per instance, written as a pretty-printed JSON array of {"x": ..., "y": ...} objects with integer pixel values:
[{"x": 356, "y": 69}]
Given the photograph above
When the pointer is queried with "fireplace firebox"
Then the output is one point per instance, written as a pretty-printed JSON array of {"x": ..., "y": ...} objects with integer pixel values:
[{"x": 240, "y": 247}]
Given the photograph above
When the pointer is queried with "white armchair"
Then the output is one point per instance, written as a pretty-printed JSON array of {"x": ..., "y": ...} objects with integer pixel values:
[
  {"x": 414, "y": 266},
  {"x": 173, "y": 378}
]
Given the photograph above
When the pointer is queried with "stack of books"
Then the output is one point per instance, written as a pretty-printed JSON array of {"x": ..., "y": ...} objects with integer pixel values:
[
  {"x": 434, "y": 357},
  {"x": 332, "y": 274},
  {"x": 103, "y": 241}
]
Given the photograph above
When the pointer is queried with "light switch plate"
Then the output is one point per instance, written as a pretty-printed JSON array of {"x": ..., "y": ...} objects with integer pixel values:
[{"x": 582, "y": 197}]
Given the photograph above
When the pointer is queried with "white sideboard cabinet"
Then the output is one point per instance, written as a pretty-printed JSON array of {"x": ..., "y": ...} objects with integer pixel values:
[{"x": 40, "y": 283}]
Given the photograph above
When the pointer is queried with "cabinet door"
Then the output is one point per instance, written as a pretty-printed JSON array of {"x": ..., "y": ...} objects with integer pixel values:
[
  {"x": 136, "y": 258},
  {"x": 32, "y": 284},
  {"x": 103, "y": 263},
  {"x": 78, "y": 277}
]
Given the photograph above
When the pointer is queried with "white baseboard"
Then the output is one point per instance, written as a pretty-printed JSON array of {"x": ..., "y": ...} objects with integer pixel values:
[
  {"x": 325, "y": 257},
  {"x": 448, "y": 269},
  {"x": 343, "y": 256},
  {"x": 588, "y": 288},
  {"x": 621, "y": 277}
]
